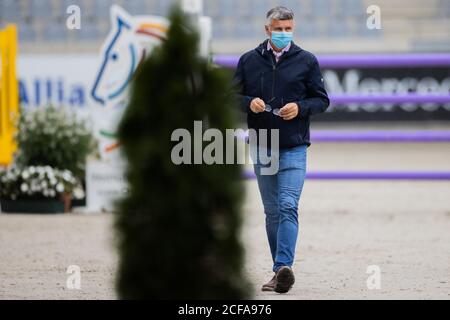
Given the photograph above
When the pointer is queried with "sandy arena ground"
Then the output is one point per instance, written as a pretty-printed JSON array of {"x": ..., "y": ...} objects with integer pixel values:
[{"x": 345, "y": 226}]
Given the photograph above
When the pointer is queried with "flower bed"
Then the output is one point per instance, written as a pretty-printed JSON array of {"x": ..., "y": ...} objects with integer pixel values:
[{"x": 39, "y": 189}]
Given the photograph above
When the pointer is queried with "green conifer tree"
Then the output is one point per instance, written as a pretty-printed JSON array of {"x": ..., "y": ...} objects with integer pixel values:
[{"x": 178, "y": 227}]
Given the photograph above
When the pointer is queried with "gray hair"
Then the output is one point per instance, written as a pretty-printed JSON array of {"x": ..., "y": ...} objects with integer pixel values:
[{"x": 279, "y": 13}]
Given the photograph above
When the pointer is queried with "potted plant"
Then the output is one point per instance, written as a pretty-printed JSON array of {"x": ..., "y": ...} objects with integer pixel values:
[
  {"x": 55, "y": 137},
  {"x": 37, "y": 189}
]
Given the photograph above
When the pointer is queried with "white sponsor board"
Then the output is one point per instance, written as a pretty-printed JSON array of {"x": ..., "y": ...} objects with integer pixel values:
[
  {"x": 96, "y": 88},
  {"x": 56, "y": 79},
  {"x": 106, "y": 184}
]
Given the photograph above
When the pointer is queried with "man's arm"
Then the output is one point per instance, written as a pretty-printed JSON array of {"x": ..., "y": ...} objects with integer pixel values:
[
  {"x": 317, "y": 99},
  {"x": 239, "y": 85}
]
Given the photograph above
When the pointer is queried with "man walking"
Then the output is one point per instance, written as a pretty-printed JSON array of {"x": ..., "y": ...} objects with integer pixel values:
[{"x": 281, "y": 86}]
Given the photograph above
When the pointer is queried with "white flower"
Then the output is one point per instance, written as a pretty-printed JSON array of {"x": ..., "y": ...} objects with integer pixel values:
[
  {"x": 41, "y": 171},
  {"x": 25, "y": 174},
  {"x": 50, "y": 175},
  {"x": 53, "y": 181},
  {"x": 32, "y": 170},
  {"x": 60, "y": 187},
  {"x": 52, "y": 193},
  {"x": 24, "y": 187},
  {"x": 67, "y": 175},
  {"x": 78, "y": 193}
]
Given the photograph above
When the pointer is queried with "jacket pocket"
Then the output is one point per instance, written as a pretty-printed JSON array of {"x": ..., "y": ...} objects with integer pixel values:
[
  {"x": 261, "y": 86},
  {"x": 259, "y": 120}
]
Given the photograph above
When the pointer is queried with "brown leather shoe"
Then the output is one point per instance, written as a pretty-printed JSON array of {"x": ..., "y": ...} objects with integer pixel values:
[
  {"x": 284, "y": 280},
  {"x": 270, "y": 286}
]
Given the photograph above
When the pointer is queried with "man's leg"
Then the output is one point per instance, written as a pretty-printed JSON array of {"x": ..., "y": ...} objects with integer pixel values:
[
  {"x": 291, "y": 177},
  {"x": 268, "y": 188}
]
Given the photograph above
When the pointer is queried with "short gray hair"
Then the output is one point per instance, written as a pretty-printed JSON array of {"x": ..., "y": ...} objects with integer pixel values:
[{"x": 279, "y": 13}]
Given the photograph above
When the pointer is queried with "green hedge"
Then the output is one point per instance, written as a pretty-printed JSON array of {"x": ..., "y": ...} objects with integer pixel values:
[{"x": 178, "y": 228}]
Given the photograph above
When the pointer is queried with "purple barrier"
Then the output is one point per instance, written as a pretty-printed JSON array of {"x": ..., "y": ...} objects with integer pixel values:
[
  {"x": 380, "y": 136},
  {"x": 396, "y": 99},
  {"x": 384, "y": 60},
  {"x": 382, "y": 175},
  {"x": 363, "y": 61},
  {"x": 375, "y": 136}
]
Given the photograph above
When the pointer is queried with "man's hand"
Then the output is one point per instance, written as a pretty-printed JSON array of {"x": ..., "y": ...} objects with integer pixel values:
[
  {"x": 289, "y": 111},
  {"x": 257, "y": 105}
]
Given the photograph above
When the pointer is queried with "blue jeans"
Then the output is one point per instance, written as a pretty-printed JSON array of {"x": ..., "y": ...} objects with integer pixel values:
[{"x": 280, "y": 195}]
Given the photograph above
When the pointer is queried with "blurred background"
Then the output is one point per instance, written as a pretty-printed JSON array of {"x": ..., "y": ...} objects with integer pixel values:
[
  {"x": 323, "y": 26},
  {"x": 378, "y": 184}
]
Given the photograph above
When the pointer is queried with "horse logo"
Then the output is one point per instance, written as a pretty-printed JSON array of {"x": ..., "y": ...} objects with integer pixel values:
[{"x": 131, "y": 40}]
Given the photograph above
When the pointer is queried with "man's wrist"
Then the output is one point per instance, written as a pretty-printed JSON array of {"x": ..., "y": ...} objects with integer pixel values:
[{"x": 302, "y": 110}]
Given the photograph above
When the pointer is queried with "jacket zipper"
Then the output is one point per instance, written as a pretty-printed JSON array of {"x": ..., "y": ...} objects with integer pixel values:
[
  {"x": 262, "y": 85},
  {"x": 274, "y": 70}
]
